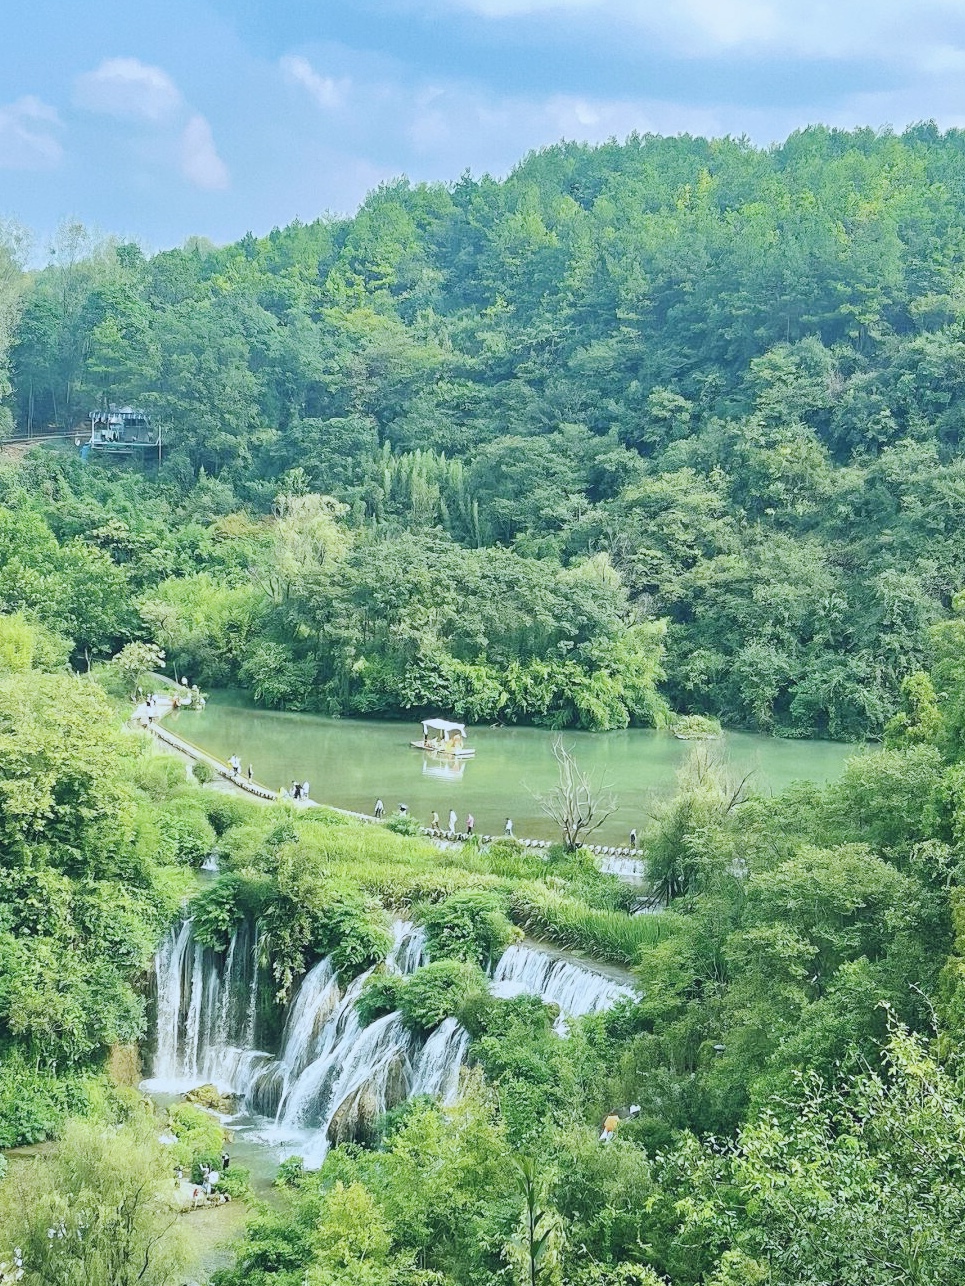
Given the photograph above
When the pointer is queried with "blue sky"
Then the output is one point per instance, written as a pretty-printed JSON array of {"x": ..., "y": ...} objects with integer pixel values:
[{"x": 215, "y": 117}]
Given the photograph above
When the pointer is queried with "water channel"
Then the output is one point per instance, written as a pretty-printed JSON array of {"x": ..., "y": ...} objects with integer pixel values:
[{"x": 351, "y": 762}]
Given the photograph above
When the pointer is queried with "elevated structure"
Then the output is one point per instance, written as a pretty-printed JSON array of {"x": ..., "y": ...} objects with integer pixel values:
[{"x": 123, "y": 431}]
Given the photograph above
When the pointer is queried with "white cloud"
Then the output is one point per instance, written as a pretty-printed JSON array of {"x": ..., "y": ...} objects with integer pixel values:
[
  {"x": 898, "y": 31},
  {"x": 200, "y": 162},
  {"x": 27, "y": 139},
  {"x": 325, "y": 90},
  {"x": 467, "y": 126},
  {"x": 128, "y": 87}
]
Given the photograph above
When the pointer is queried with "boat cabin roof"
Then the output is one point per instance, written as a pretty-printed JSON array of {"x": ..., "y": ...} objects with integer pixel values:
[{"x": 442, "y": 725}]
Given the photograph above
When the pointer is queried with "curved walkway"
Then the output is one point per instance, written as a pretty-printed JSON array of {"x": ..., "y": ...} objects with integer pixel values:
[{"x": 625, "y": 862}]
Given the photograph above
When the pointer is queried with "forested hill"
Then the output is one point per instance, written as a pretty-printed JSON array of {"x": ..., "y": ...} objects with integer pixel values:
[{"x": 670, "y": 379}]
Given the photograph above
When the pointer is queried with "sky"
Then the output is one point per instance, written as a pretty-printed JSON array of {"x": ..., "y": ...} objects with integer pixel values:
[{"x": 158, "y": 121}]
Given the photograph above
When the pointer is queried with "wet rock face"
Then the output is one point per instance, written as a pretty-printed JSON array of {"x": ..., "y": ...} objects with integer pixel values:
[
  {"x": 209, "y": 1096},
  {"x": 350, "y": 1119},
  {"x": 355, "y": 1119}
]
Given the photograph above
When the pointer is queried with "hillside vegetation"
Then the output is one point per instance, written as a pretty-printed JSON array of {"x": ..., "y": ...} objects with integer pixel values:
[{"x": 672, "y": 406}]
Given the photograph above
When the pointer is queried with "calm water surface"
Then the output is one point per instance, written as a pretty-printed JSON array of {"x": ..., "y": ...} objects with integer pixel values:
[{"x": 351, "y": 762}]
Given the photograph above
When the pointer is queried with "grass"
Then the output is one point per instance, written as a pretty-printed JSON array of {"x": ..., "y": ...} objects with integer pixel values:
[
  {"x": 571, "y": 908},
  {"x": 613, "y": 936}
]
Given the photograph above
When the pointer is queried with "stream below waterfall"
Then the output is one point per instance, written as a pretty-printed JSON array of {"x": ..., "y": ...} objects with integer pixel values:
[{"x": 323, "y": 1077}]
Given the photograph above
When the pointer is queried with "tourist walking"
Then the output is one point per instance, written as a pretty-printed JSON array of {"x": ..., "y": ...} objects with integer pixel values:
[
  {"x": 225, "y": 1160},
  {"x": 435, "y": 821},
  {"x": 251, "y": 773},
  {"x": 633, "y": 837},
  {"x": 508, "y": 828},
  {"x": 379, "y": 810},
  {"x": 470, "y": 823},
  {"x": 305, "y": 794},
  {"x": 296, "y": 790},
  {"x": 453, "y": 819}
]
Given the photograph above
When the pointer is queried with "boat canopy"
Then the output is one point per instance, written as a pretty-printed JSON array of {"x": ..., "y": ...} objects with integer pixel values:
[{"x": 442, "y": 725}]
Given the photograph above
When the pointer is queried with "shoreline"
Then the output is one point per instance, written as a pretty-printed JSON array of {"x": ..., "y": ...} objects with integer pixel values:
[{"x": 195, "y": 754}]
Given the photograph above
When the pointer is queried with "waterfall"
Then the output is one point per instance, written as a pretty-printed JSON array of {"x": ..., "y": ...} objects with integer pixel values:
[
  {"x": 192, "y": 1034},
  {"x": 408, "y": 947},
  {"x": 524, "y": 970},
  {"x": 169, "y": 972},
  {"x": 331, "y": 1077},
  {"x": 437, "y": 1068},
  {"x": 631, "y": 869},
  {"x": 321, "y": 1024},
  {"x": 366, "y": 1074},
  {"x": 205, "y": 1013},
  {"x": 316, "y": 1000},
  {"x": 252, "y": 1011}
]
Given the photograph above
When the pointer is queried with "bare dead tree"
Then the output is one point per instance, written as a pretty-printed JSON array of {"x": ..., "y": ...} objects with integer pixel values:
[{"x": 576, "y": 804}]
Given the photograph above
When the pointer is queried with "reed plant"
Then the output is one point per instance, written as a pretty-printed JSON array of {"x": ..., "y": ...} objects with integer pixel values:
[
  {"x": 568, "y": 902},
  {"x": 609, "y": 935}
]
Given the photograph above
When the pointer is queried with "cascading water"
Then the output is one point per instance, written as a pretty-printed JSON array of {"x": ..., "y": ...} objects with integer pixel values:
[
  {"x": 408, "y": 947},
  {"x": 169, "y": 971},
  {"x": 630, "y": 869},
  {"x": 438, "y": 1064},
  {"x": 331, "y": 1076},
  {"x": 206, "y": 1012},
  {"x": 367, "y": 1073},
  {"x": 525, "y": 970}
]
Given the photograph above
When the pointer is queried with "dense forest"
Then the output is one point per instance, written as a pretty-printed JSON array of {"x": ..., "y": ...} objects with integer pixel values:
[
  {"x": 670, "y": 415},
  {"x": 665, "y": 426}
]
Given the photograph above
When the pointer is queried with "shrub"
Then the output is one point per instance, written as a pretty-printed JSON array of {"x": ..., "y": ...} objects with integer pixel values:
[
  {"x": 478, "y": 1013},
  {"x": 188, "y": 829},
  {"x": 469, "y": 925},
  {"x": 220, "y": 907},
  {"x": 199, "y": 1135},
  {"x": 696, "y": 727},
  {"x": 235, "y": 1182},
  {"x": 403, "y": 825},
  {"x": 290, "y": 1172},
  {"x": 382, "y": 995},
  {"x": 614, "y": 936},
  {"x": 202, "y": 772},
  {"x": 34, "y": 1105},
  {"x": 503, "y": 850},
  {"x": 161, "y": 776},
  {"x": 492, "y": 1015},
  {"x": 437, "y": 991},
  {"x": 225, "y": 811},
  {"x": 353, "y": 930}
]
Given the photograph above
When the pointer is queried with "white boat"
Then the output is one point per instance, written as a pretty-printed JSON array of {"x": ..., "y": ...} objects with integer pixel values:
[{"x": 445, "y": 739}]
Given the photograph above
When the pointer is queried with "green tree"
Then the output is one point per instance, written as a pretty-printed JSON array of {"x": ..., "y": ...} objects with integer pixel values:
[
  {"x": 135, "y": 662},
  {"x": 93, "y": 1210}
]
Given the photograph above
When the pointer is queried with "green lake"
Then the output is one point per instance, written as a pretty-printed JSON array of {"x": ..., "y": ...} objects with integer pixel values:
[{"x": 352, "y": 762}]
